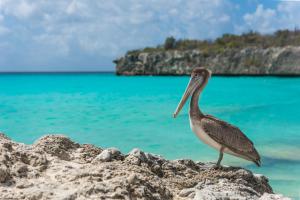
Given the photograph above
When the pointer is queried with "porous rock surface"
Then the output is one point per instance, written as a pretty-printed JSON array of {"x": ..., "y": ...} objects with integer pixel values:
[
  {"x": 247, "y": 61},
  {"x": 55, "y": 167}
]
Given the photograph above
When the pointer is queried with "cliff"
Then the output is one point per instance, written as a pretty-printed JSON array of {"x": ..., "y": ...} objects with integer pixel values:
[
  {"x": 55, "y": 167},
  {"x": 229, "y": 61}
]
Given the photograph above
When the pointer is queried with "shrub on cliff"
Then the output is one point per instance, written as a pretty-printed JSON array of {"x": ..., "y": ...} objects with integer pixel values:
[
  {"x": 170, "y": 43},
  {"x": 229, "y": 41}
]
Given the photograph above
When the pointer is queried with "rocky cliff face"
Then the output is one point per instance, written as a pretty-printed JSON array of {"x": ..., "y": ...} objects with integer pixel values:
[
  {"x": 57, "y": 168},
  {"x": 248, "y": 61}
]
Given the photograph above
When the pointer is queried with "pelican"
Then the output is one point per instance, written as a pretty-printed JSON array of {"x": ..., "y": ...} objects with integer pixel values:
[{"x": 214, "y": 132}]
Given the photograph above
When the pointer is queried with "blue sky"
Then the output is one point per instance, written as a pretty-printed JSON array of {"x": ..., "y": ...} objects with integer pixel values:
[{"x": 86, "y": 35}]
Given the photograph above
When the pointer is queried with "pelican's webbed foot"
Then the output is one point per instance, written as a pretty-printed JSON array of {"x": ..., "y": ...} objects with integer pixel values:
[{"x": 218, "y": 167}]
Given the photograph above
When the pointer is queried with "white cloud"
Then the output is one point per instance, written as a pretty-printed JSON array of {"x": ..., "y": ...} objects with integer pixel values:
[
  {"x": 18, "y": 8},
  {"x": 262, "y": 19},
  {"x": 60, "y": 29},
  {"x": 285, "y": 15},
  {"x": 24, "y": 9},
  {"x": 76, "y": 32},
  {"x": 40, "y": 32}
]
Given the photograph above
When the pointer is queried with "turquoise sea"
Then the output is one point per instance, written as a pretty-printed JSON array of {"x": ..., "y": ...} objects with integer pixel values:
[{"x": 128, "y": 112}]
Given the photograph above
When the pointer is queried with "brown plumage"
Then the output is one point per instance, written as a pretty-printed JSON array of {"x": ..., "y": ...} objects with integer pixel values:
[
  {"x": 219, "y": 134},
  {"x": 230, "y": 137}
]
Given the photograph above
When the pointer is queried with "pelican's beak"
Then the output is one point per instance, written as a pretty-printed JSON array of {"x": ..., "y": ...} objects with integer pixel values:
[{"x": 193, "y": 83}]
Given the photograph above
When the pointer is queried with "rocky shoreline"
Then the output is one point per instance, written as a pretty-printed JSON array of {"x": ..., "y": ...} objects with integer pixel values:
[
  {"x": 55, "y": 167},
  {"x": 279, "y": 61}
]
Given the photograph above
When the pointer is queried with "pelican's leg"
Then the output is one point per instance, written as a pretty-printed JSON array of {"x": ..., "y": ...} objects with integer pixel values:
[{"x": 220, "y": 157}]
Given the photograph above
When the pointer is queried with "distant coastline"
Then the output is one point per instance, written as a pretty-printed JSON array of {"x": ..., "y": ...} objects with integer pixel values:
[
  {"x": 249, "y": 54},
  {"x": 57, "y": 72},
  {"x": 114, "y": 72}
]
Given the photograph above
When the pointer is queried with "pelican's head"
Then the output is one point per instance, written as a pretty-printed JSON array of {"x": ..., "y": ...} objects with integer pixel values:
[{"x": 199, "y": 77}]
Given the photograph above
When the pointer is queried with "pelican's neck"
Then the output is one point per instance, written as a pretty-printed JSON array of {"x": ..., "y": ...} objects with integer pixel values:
[{"x": 194, "y": 107}]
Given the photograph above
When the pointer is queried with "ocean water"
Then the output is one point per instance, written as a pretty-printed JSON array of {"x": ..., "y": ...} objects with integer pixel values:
[{"x": 129, "y": 112}]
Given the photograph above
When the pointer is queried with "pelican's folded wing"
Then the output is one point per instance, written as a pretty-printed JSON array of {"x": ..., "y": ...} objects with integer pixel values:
[{"x": 229, "y": 136}]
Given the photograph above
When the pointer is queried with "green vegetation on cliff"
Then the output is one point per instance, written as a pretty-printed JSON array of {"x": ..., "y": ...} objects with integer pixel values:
[{"x": 229, "y": 41}]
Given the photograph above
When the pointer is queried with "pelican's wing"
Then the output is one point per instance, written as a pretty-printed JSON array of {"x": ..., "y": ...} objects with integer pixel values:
[{"x": 230, "y": 137}]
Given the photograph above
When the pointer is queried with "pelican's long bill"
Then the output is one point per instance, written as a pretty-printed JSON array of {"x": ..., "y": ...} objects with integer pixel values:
[{"x": 192, "y": 85}]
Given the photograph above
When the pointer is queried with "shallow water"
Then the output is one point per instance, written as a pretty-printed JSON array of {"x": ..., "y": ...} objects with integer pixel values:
[{"x": 128, "y": 112}]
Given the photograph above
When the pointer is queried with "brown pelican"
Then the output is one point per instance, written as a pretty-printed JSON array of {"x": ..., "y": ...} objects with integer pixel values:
[{"x": 214, "y": 132}]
